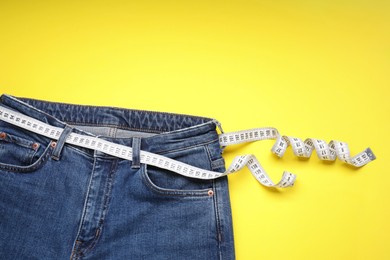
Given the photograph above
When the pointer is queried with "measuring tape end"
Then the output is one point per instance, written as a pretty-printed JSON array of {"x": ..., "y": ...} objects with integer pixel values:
[{"x": 370, "y": 154}]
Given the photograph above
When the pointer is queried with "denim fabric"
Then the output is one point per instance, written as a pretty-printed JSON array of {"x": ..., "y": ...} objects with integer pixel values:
[{"x": 66, "y": 202}]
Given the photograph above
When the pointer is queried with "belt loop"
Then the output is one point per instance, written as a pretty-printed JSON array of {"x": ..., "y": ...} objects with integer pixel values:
[
  {"x": 136, "y": 153},
  {"x": 60, "y": 143},
  {"x": 218, "y": 124}
]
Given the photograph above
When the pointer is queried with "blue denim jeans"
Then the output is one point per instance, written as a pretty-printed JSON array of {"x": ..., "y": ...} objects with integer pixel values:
[{"x": 59, "y": 201}]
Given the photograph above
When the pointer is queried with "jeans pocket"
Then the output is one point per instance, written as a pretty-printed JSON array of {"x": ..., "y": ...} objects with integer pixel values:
[
  {"x": 168, "y": 183},
  {"x": 20, "y": 154}
]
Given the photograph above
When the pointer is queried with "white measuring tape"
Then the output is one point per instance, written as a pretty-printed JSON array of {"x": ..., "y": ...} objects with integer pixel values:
[{"x": 301, "y": 149}]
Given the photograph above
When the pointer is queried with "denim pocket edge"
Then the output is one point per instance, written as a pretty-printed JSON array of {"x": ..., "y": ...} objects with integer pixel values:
[
  {"x": 32, "y": 167},
  {"x": 172, "y": 192}
]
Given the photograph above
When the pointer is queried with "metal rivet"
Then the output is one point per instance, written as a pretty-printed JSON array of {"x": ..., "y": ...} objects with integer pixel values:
[
  {"x": 210, "y": 192},
  {"x": 3, "y": 135},
  {"x": 53, "y": 144},
  {"x": 35, "y": 146}
]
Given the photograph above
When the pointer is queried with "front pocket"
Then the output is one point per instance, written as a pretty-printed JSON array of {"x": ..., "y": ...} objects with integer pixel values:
[
  {"x": 165, "y": 182},
  {"x": 18, "y": 154}
]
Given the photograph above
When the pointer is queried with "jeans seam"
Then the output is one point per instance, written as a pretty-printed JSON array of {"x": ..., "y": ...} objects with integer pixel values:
[
  {"x": 210, "y": 157},
  {"x": 217, "y": 214},
  {"x": 77, "y": 244},
  {"x": 218, "y": 221},
  {"x": 105, "y": 202},
  {"x": 216, "y": 163}
]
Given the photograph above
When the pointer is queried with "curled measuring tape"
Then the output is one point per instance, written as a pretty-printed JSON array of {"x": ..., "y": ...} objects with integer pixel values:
[
  {"x": 302, "y": 149},
  {"x": 327, "y": 152}
]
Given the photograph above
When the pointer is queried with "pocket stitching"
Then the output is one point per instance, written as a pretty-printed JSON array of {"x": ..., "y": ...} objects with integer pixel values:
[
  {"x": 29, "y": 168},
  {"x": 171, "y": 192}
]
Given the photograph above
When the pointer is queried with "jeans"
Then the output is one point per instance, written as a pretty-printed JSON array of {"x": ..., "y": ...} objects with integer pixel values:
[{"x": 59, "y": 201}]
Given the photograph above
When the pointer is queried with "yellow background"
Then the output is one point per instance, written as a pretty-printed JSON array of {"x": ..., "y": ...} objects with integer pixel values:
[{"x": 309, "y": 68}]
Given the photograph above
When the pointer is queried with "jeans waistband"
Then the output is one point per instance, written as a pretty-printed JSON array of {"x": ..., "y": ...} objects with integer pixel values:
[{"x": 167, "y": 131}]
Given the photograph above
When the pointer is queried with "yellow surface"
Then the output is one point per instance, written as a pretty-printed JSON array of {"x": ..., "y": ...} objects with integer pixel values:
[{"x": 310, "y": 68}]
